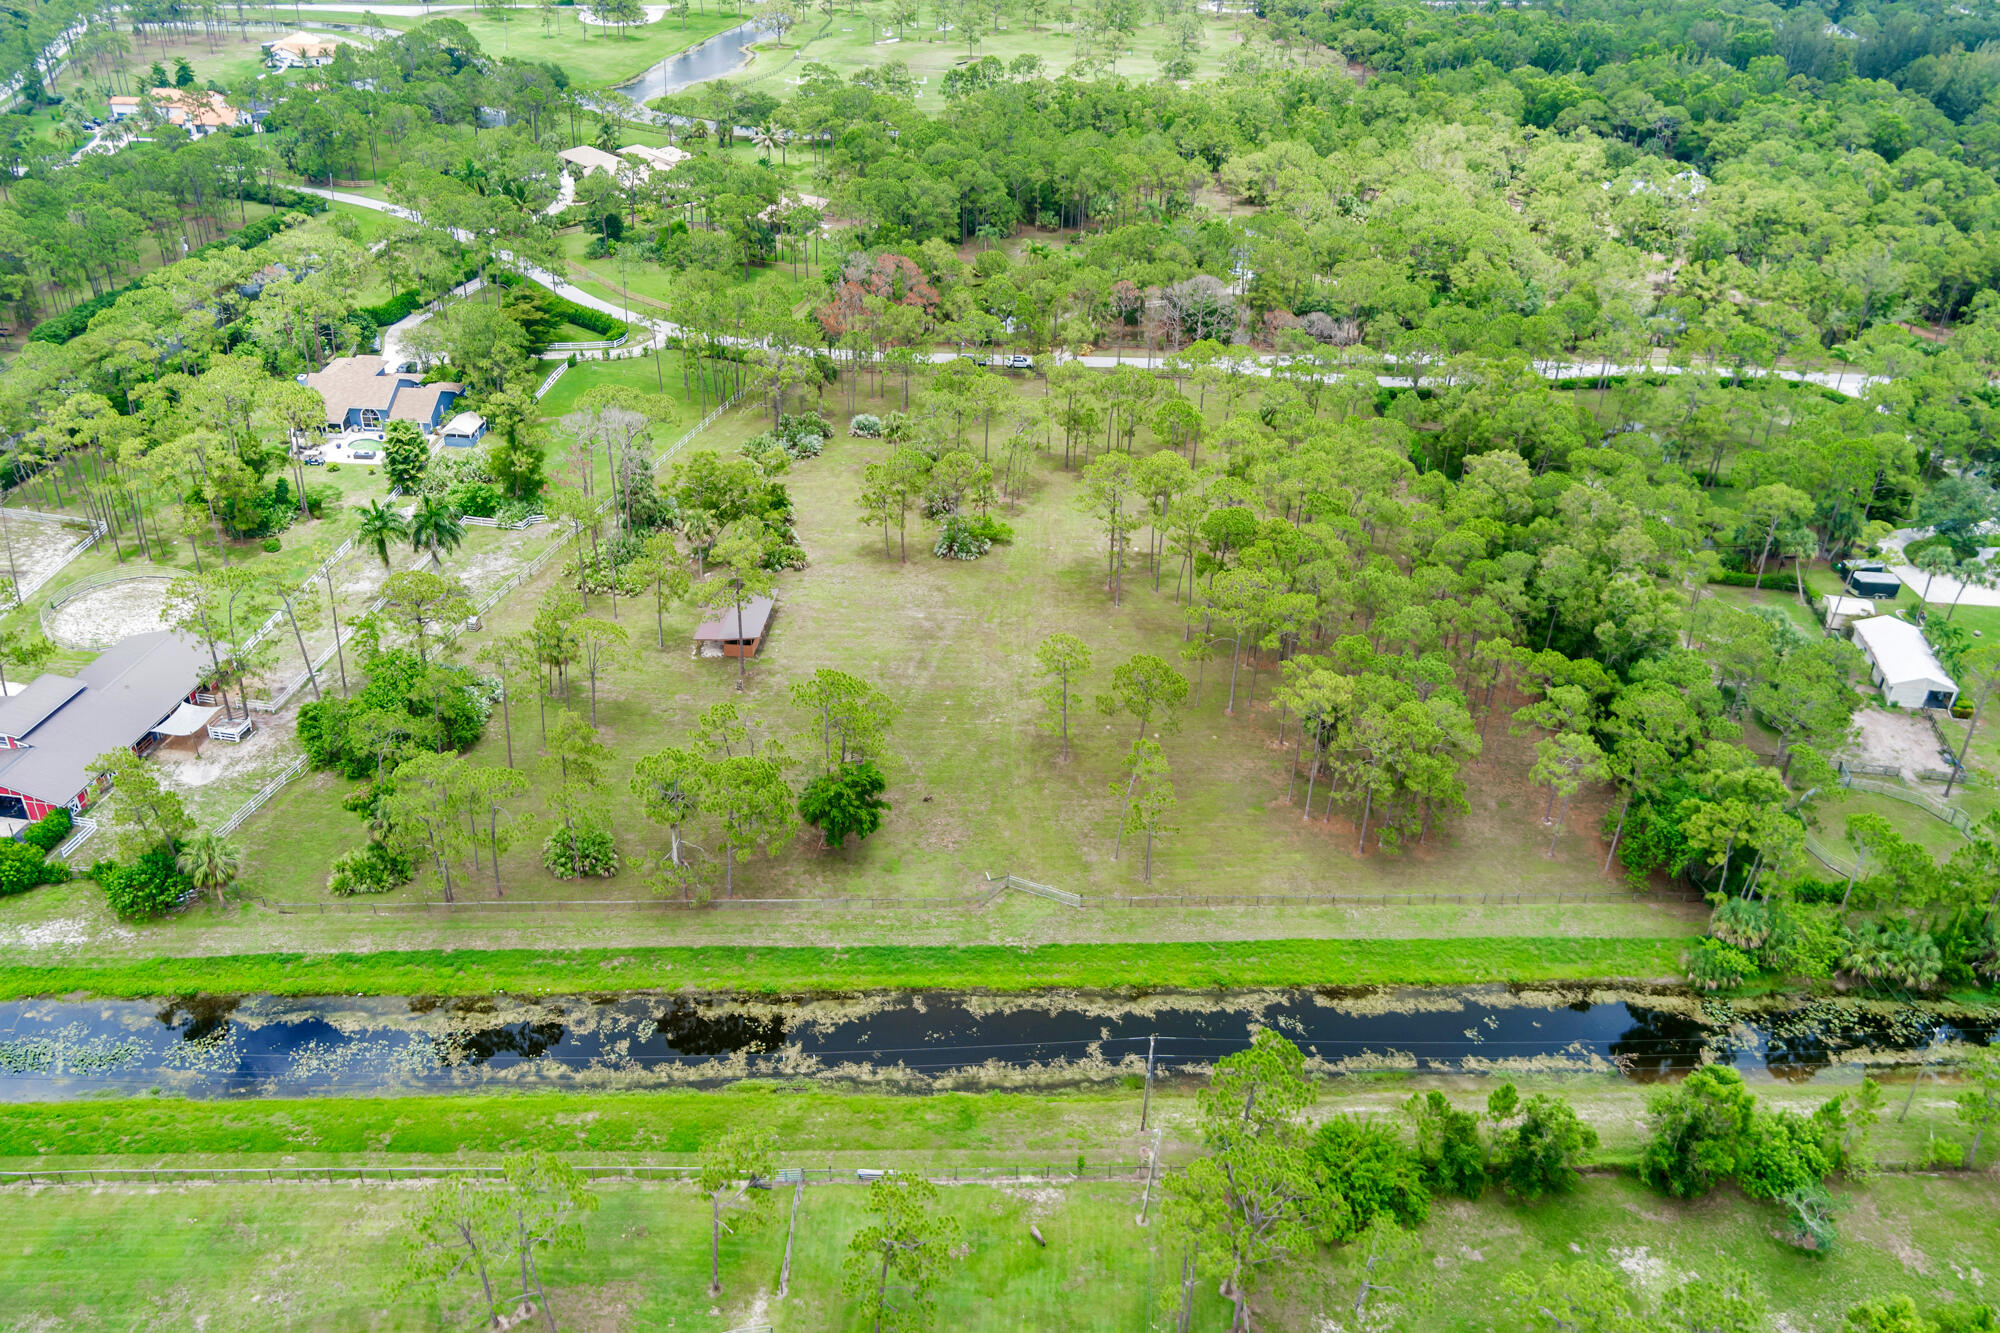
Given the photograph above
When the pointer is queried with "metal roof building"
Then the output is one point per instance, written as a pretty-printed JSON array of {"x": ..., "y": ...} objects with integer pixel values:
[
  {"x": 52, "y": 730},
  {"x": 1903, "y": 664},
  {"x": 735, "y": 632}
]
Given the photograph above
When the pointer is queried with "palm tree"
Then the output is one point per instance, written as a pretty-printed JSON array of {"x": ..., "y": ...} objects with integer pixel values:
[
  {"x": 381, "y": 525},
  {"x": 765, "y": 138},
  {"x": 435, "y": 525},
  {"x": 211, "y": 862}
]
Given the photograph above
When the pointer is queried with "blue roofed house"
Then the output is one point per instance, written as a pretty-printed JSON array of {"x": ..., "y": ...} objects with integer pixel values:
[{"x": 363, "y": 393}]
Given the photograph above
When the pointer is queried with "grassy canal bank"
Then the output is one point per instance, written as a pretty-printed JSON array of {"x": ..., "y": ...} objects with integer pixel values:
[{"x": 1234, "y": 964}]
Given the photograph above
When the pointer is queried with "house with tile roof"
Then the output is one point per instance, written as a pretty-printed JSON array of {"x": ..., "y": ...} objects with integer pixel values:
[{"x": 196, "y": 110}]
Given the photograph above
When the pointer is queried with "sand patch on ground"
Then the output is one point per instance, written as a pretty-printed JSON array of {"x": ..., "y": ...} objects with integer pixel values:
[
  {"x": 35, "y": 551},
  {"x": 103, "y": 616},
  {"x": 221, "y": 759},
  {"x": 1898, "y": 740},
  {"x": 61, "y": 933}
]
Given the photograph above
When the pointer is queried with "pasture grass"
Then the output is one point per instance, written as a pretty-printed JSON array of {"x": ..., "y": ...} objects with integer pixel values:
[{"x": 295, "y": 1256}]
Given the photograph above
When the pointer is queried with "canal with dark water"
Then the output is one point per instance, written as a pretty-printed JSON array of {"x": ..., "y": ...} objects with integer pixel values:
[{"x": 253, "y": 1046}]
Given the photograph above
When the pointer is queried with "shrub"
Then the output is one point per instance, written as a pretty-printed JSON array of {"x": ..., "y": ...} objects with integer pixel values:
[
  {"x": 1742, "y": 922},
  {"x": 273, "y": 545},
  {"x": 1713, "y": 965},
  {"x": 49, "y": 832},
  {"x": 369, "y": 869},
  {"x": 475, "y": 499},
  {"x": 866, "y": 425},
  {"x": 333, "y": 467},
  {"x": 335, "y": 732},
  {"x": 959, "y": 539},
  {"x": 846, "y": 801},
  {"x": 1817, "y": 891},
  {"x": 23, "y": 867},
  {"x": 579, "y": 851},
  {"x": 1895, "y": 952},
  {"x": 1784, "y": 1153},
  {"x": 152, "y": 886},
  {"x": 1538, "y": 1156},
  {"x": 1697, "y": 1131},
  {"x": 1367, "y": 1163},
  {"x": 1804, "y": 942},
  {"x": 1448, "y": 1145}
]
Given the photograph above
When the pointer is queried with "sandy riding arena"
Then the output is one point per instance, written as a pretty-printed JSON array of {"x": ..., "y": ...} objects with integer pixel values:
[{"x": 102, "y": 616}]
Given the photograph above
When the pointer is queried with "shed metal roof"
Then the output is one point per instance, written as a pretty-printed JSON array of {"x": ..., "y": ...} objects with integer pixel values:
[
  {"x": 1900, "y": 652},
  {"x": 725, "y": 626}
]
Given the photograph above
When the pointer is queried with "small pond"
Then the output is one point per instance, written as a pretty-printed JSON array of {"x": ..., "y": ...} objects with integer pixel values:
[
  {"x": 249, "y": 1046},
  {"x": 721, "y": 54}
]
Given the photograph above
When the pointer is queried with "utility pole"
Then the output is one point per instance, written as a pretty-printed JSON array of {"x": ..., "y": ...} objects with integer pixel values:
[
  {"x": 1930, "y": 1051},
  {"x": 1146, "y": 1106}
]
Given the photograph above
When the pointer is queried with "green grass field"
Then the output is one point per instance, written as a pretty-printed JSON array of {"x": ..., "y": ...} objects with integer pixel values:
[
  {"x": 593, "y": 56},
  {"x": 1231, "y": 964},
  {"x": 111, "y": 1256},
  {"x": 976, "y": 786},
  {"x": 824, "y": 1126},
  {"x": 299, "y": 1256},
  {"x": 850, "y": 42}
]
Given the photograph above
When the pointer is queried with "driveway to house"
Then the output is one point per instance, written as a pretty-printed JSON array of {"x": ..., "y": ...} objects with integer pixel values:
[
  {"x": 393, "y": 336},
  {"x": 1944, "y": 589},
  {"x": 1261, "y": 364}
]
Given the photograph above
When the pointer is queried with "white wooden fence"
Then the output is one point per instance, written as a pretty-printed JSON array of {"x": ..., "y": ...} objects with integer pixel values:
[
  {"x": 598, "y": 345},
  {"x": 81, "y": 828},
  {"x": 264, "y": 794},
  {"x": 517, "y": 525},
  {"x": 550, "y": 382},
  {"x": 29, "y": 587}
]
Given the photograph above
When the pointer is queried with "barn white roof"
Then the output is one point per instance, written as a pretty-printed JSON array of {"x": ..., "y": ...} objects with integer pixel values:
[{"x": 1900, "y": 651}]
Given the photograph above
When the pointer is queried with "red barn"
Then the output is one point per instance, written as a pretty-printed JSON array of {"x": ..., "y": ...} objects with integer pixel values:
[{"x": 53, "y": 728}]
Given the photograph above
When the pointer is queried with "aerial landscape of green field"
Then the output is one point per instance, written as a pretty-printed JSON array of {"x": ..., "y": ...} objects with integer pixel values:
[{"x": 1000, "y": 664}]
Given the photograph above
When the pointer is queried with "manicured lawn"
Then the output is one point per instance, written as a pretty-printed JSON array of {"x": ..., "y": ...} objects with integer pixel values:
[{"x": 652, "y": 284}]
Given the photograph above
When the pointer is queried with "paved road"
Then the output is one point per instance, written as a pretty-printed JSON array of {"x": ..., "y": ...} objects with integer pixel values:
[{"x": 1850, "y": 385}]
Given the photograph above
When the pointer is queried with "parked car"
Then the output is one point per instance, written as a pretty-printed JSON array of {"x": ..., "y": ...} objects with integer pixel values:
[
  {"x": 313, "y": 460},
  {"x": 1020, "y": 362}
]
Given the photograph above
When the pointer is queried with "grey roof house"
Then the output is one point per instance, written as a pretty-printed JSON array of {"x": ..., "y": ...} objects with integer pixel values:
[
  {"x": 362, "y": 393},
  {"x": 51, "y": 730}
]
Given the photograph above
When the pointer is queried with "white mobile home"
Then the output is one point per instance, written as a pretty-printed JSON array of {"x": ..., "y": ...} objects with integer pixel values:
[{"x": 1903, "y": 664}]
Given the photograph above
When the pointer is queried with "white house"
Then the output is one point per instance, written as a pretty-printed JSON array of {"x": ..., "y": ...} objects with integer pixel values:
[
  {"x": 1902, "y": 663},
  {"x": 587, "y": 159},
  {"x": 301, "y": 50},
  {"x": 660, "y": 159}
]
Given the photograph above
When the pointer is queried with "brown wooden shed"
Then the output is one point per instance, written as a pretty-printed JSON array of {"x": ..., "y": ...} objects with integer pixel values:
[{"x": 735, "y": 632}]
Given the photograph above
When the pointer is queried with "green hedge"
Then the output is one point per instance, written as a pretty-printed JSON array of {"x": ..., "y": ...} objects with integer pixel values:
[
  {"x": 398, "y": 307},
  {"x": 1774, "y": 579},
  {"x": 73, "y": 322},
  {"x": 50, "y": 831}
]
